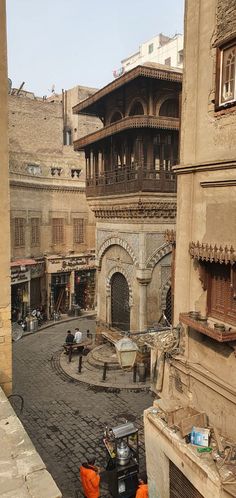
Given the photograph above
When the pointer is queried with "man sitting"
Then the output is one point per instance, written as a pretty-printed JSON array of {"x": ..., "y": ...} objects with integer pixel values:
[
  {"x": 69, "y": 338},
  {"x": 78, "y": 335}
]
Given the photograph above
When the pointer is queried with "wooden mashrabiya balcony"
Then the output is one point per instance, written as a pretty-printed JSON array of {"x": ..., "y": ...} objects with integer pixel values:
[{"x": 130, "y": 122}]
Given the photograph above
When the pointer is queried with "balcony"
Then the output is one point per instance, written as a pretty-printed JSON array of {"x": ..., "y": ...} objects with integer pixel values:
[
  {"x": 129, "y": 180},
  {"x": 127, "y": 123}
]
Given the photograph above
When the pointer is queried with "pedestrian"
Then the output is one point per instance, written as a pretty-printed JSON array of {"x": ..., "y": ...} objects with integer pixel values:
[
  {"x": 78, "y": 335},
  {"x": 90, "y": 478},
  {"x": 69, "y": 338},
  {"x": 142, "y": 491}
]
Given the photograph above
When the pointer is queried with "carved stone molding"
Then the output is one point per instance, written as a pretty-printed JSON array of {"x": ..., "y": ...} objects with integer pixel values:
[
  {"x": 164, "y": 291},
  {"x": 216, "y": 254},
  {"x": 115, "y": 241},
  {"x": 170, "y": 236},
  {"x": 137, "y": 210},
  {"x": 160, "y": 253},
  {"x": 37, "y": 186}
]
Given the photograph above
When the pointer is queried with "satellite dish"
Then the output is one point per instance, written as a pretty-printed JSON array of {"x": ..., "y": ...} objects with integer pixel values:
[{"x": 17, "y": 331}]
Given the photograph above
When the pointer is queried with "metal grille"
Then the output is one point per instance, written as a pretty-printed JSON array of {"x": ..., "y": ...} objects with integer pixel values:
[
  {"x": 120, "y": 312},
  {"x": 168, "y": 310},
  {"x": 180, "y": 486}
]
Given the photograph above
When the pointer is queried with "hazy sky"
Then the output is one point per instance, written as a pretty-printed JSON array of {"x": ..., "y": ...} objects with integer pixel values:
[{"x": 70, "y": 42}]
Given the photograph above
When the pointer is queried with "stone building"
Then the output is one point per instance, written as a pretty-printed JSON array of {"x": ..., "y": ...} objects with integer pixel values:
[
  {"x": 201, "y": 376},
  {"x": 5, "y": 325},
  {"x": 131, "y": 189},
  {"x": 52, "y": 227}
]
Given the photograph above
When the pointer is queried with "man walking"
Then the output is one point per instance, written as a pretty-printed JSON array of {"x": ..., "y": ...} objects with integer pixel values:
[{"x": 90, "y": 478}]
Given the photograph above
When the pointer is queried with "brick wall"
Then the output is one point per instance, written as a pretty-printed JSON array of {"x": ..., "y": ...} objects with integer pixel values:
[{"x": 225, "y": 20}]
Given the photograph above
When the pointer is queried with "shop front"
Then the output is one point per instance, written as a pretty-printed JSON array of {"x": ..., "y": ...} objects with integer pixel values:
[
  {"x": 60, "y": 292},
  {"x": 20, "y": 292},
  {"x": 70, "y": 282},
  {"x": 85, "y": 288}
]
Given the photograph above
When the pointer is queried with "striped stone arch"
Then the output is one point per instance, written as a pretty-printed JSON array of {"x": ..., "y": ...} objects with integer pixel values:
[
  {"x": 115, "y": 241},
  {"x": 164, "y": 291},
  {"x": 119, "y": 269},
  {"x": 159, "y": 253}
]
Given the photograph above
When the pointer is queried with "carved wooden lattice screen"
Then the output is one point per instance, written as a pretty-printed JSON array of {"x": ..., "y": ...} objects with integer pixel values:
[
  {"x": 180, "y": 486},
  {"x": 221, "y": 292}
]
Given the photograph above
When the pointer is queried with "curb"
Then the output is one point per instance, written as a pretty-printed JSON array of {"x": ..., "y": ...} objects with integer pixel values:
[
  {"x": 58, "y": 322},
  {"x": 103, "y": 386}
]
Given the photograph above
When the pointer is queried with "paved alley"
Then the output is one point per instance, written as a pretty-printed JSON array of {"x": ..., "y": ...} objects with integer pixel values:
[{"x": 65, "y": 418}]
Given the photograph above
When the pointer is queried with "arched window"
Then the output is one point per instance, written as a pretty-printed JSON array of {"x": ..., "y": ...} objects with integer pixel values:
[
  {"x": 170, "y": 108},
  {"x": 116, "y": 116},
  {"x": 136, "y": 109}
]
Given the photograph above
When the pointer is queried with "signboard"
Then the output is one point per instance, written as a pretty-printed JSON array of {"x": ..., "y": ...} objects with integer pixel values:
[
  {"x": 19, "y": 277},
  {"x": 70, "y": 264}
]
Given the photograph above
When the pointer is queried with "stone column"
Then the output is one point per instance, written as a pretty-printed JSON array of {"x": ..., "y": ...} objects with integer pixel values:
[{"x": 143, "y": 277}]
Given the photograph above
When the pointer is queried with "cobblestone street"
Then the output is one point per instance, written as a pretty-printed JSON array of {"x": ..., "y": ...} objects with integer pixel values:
[{"x": 64, "y": 418}]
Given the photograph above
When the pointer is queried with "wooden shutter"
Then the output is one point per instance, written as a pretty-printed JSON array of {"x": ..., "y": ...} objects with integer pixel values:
[
  {"x": 57, "y": 230},
  {"x": 221, "y": 300}
]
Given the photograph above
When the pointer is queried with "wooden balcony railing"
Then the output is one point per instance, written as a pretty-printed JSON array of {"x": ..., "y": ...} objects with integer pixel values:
[{"x": 128, "y": 180}]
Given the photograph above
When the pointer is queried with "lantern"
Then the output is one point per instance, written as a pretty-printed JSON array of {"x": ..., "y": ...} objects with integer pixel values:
[{"x": 126, "y": 351}]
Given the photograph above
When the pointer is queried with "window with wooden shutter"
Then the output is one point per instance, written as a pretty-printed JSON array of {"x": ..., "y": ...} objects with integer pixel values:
[
  {"x": 222, "y": 292},
  {"x": 78, "y": 230},
  {"x": 19, "y": 232},
  {"x": 57, "y": 230},
  {"x": 35, "y": 231}
]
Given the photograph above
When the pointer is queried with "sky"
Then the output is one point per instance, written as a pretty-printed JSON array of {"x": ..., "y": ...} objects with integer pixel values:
[{"x": 73, "y": 42}]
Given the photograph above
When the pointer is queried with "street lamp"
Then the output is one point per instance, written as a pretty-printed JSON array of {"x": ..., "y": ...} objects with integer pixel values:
[{"x": 126, "y": 351}]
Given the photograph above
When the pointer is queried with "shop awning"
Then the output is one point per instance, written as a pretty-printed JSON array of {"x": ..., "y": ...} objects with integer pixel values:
[{"x": 23, "y": 262}]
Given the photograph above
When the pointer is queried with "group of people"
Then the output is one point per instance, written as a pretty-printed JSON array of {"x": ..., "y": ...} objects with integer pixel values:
[
  {"x": 75, "y": 338},
  {"x": 90, "y": 480}
]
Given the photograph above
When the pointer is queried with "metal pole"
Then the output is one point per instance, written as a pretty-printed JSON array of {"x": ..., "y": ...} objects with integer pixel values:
[
  {"x": 80, "y": 363},
  {"x": 134, "y": 373},
  {"x": 104, "y": 372}
]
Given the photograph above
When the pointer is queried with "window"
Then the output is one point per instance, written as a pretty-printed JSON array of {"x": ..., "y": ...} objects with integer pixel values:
[
  {"x": 35, "y": 234},
  {"x": 226, "y": 82},
  {"x": 221, "y": 292},
  {"x": 78, "y": 230},
  {"x": 168, "y": 61},
  {"x": 150, "y": 48},
  {"x": 57, "y": 230},
  {"x": 19, "y": 232}
]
